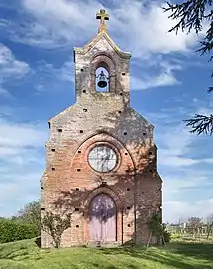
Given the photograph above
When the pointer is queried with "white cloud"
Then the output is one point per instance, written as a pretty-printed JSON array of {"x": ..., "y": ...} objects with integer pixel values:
[
  {"x": 178, "y": 147},
  {"x": 175, "y": 210},
  {"x": 61, "y": 23},
  {"x": 5, "y": 93},
  {"x": 63, "y": 73},
  {"x": 148, "y": 27},
  {"x": 165, "y": 76},
  {"x": 22, "y": 162},
  {"x": 9, "y": 66},
  {"x": 48, "y": 76},
  {"x": 184, "y": 163},
  {"x": 18, "y": 189},
  {"x": 21, "y": 135},
  {"x": 57, "y": 23}
]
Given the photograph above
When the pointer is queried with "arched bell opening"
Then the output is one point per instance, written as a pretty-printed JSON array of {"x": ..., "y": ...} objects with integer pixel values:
[{"x": 102, "y": 76}]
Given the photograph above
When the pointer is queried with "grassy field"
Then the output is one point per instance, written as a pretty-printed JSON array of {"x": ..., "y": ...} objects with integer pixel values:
[{"x": 181, "y": 255}]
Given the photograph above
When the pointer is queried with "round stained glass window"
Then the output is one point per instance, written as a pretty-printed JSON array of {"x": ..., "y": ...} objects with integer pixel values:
[{"x": 102, "y": 158}]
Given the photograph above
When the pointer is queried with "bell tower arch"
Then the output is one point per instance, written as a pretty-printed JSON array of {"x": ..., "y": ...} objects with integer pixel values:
[
  {"x": 102, "y": 70},
  {"x": 102, "y": 63}
]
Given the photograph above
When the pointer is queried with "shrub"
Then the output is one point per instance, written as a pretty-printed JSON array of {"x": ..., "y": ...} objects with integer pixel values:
[
  {"x": 166, "y": 236},
  {"x": 55, "y": 225},
  {"x": 13, "y": 230}
]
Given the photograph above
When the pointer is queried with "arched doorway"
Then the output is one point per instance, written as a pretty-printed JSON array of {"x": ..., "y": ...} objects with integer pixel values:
[{"x": 102, "y": 226}]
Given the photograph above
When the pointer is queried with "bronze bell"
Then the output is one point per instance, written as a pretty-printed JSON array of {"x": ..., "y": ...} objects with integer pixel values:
[{"x": 102, "y": 83}]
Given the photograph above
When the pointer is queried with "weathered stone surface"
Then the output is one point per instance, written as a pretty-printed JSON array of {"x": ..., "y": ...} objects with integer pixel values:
[{"x": 94, "y": 118}]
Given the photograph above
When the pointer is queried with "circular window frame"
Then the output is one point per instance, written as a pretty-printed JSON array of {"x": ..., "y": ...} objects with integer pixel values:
[{"x": 112, "y": 147}]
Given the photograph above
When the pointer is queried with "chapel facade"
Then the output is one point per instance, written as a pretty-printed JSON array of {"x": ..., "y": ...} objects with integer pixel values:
[{"x": 101, "y": 159}]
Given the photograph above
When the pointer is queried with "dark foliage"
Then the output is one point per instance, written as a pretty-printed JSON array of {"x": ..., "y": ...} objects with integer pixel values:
[
  {"x": 194, "y": 225},
  {"x": 191, "y": 15},
  {"x": 13, "y": 230},
  {"x": 201, "y": 124},
  {"x": 31, "y": 214},
  {"x": 158, "y": 230}
]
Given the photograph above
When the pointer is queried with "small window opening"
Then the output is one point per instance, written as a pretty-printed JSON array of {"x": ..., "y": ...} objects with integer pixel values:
[
  {"x": 126, "y": 153},
  {"x": 79, "y": 151},
  {"x": 127, "y": 171},
  {"x": 79, "y": 170},
  {"x": 128, "y": 189},
  {"x": 77, "y": 189},
  {"x": 102, "y": 79},
  {"x": 84, "y": 91},
  {"x": 150, "y": 153},
  {"x": 150, "y": 171},
  {"x": 42, "y": 208},
  {"x": 60, "y": 130},
  {"x": 82, "y": 69},
  {"x": 76, "y": 209},
  {"x": 144, "y": 133},
  {"x": 77, "y": 226},
  {"x": 119, "y": 111},
  {"x": 81, "y": 131},
  {"x": 53, "y": 150},
  {"x": 123, "y": 74},
  {"x": 121, "y": 94},
  {"x": 125, "y": 133},
  {"x": 128, "y": 207},
  {"x": 129, "y": 225},
  {"x": 53, "y": 168}
]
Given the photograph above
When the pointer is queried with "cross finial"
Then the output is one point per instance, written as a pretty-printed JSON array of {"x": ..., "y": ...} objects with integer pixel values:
[{"x": 102, "y": 16}]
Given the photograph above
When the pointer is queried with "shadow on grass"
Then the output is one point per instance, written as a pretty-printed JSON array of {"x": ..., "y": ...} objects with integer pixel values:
[
  {"x": 23, "y": 252},
  {"x": 98, "y": 266},
  {"x": 196, "y": 250},
  {"x": 181, "y": 255},
  {"x": 168, "y": 255}
]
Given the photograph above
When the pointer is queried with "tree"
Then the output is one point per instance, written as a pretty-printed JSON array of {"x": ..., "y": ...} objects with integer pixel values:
[
  {"x": 209, "y": 225},
  {"x": 192, "y": 15},
  {"x": 31, "y": 213},
  {"x": 55, "y": 225},
  {"x": 194, "y": 224}
]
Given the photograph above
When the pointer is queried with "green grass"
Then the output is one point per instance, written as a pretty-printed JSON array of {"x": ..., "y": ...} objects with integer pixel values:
[{"x": 182, "y": 255}]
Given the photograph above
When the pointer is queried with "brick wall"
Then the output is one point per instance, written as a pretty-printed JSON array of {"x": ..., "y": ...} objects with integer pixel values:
[{"x": 69, "y": 183}]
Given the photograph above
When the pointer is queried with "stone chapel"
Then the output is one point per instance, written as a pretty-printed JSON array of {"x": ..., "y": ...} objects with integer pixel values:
[{"x": 100, "y": 156}]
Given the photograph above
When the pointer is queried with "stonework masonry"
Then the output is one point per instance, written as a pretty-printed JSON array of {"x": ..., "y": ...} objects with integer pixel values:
[{"x": 69, "y": 184}]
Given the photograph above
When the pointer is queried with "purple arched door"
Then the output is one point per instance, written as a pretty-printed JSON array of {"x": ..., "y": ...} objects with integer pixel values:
[{"x": 102, "y": 219}]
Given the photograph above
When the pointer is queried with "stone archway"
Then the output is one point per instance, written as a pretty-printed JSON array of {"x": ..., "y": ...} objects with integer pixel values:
[
  {"x": 114, "y": 202},
  {"x": 102, "y": 219}
]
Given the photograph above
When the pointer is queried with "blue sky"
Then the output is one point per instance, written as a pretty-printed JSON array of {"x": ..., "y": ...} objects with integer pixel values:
[{"x": 168, "y": 84}]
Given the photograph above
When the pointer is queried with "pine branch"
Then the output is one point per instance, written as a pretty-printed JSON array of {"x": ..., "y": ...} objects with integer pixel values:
[
  {"x": 201, "y": 124},
  {"x": 191, "y": 14}
]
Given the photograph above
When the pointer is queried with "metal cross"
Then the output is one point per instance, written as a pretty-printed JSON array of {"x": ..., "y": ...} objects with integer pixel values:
[{"x": 102, "y": 16}]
